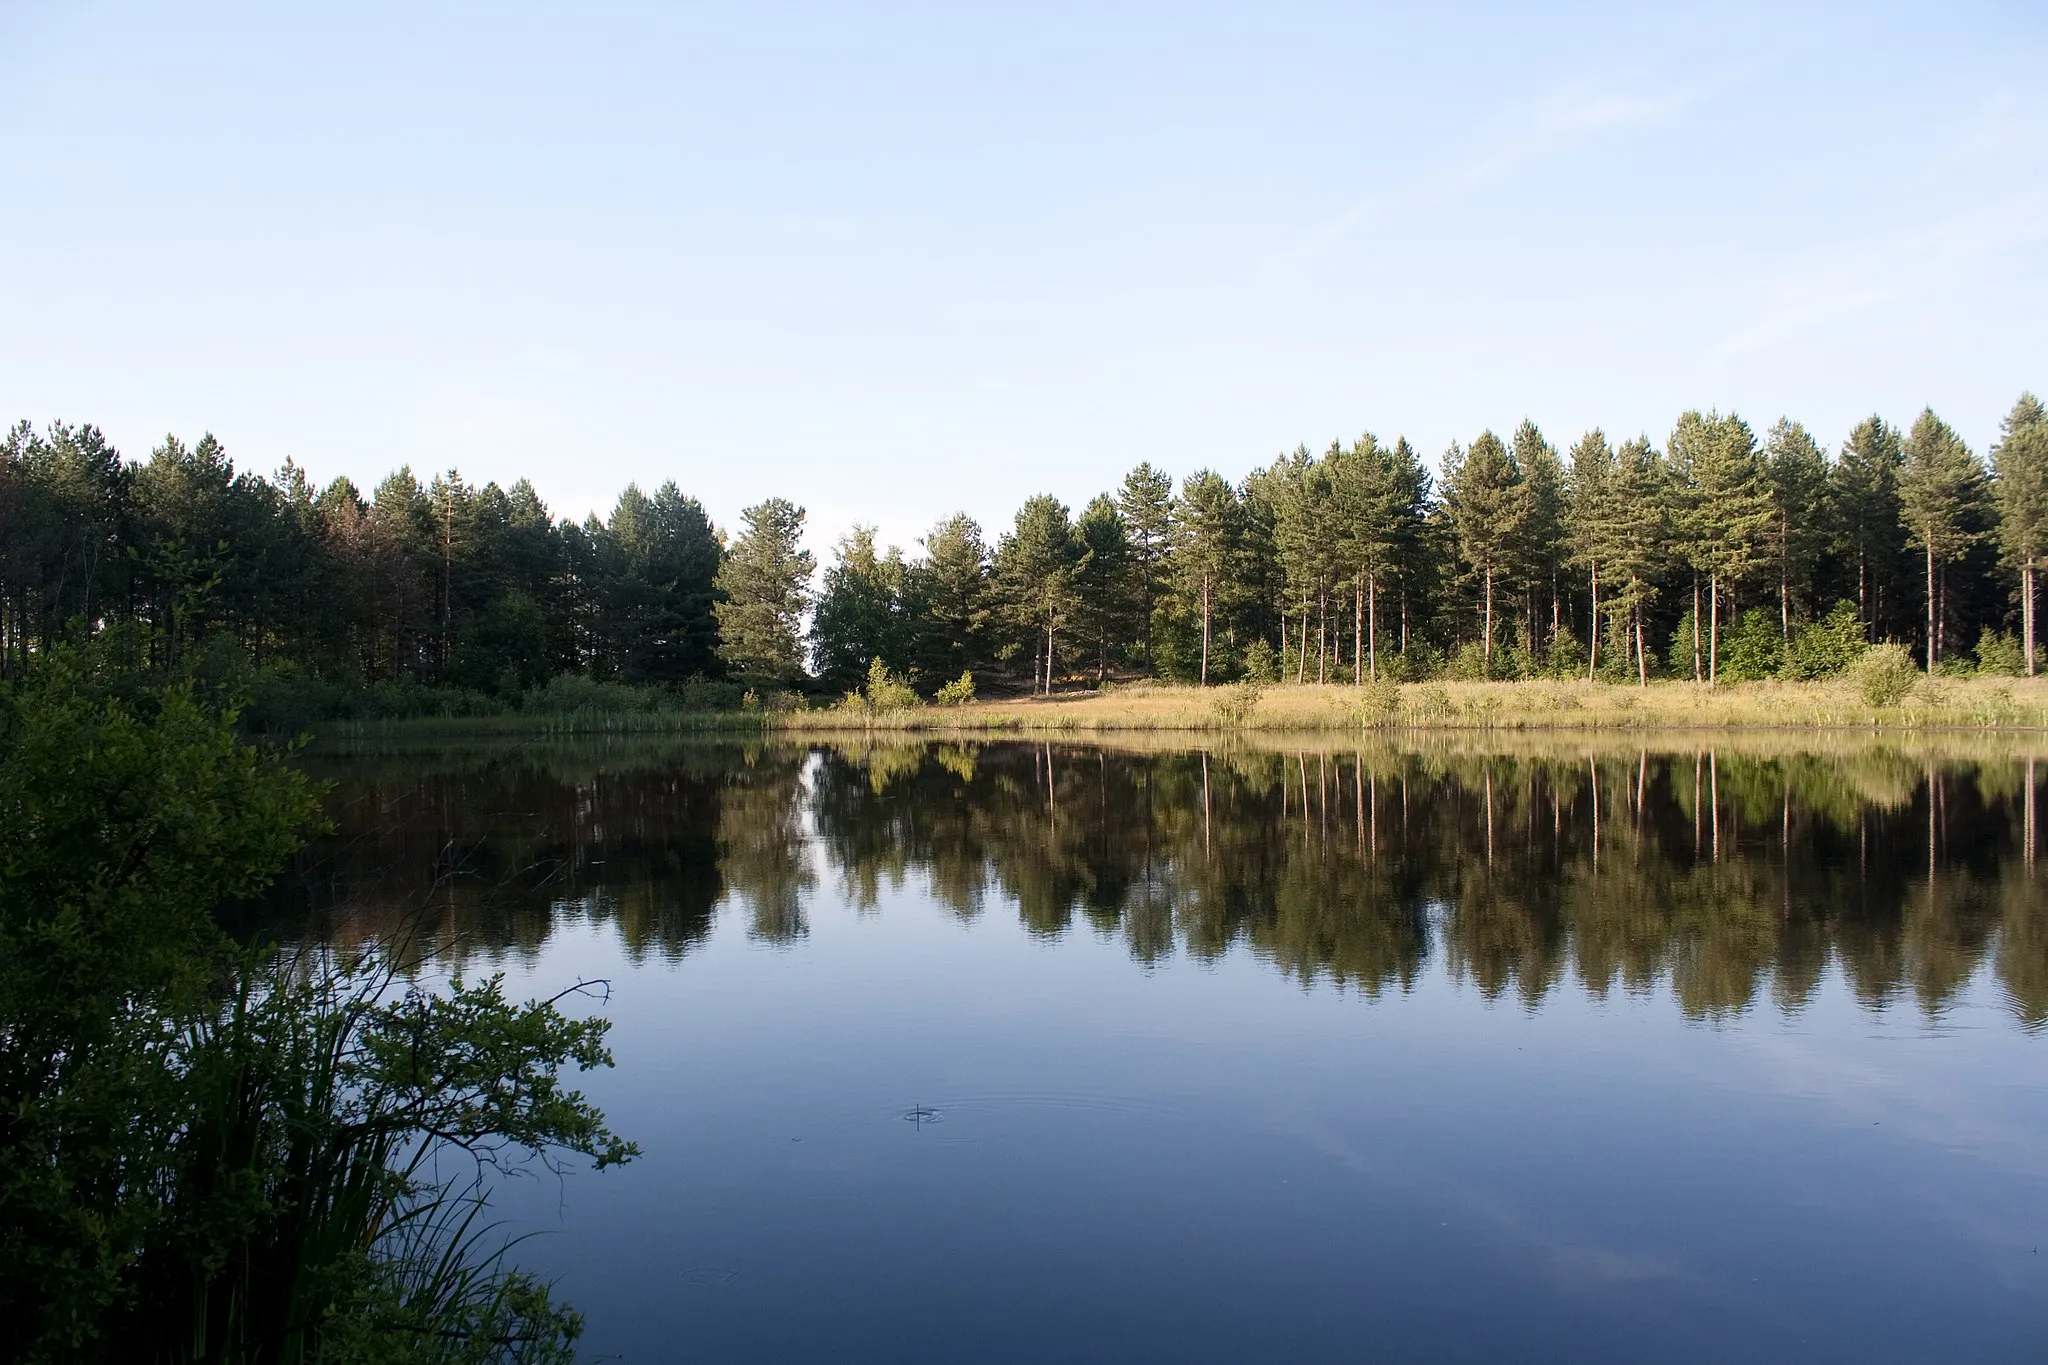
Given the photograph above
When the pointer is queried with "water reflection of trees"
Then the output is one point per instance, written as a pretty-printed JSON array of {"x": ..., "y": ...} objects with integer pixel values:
[{"x": 1730, "y": 878}]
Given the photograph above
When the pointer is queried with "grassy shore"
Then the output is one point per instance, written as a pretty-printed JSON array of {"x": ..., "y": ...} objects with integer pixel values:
[
  {"x": 1945, "y": 703},
  {"x": 2008, "y": 704}
]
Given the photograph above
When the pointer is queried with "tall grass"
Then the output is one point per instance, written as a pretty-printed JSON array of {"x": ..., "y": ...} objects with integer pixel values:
[{"x": 324, "y": 1196}]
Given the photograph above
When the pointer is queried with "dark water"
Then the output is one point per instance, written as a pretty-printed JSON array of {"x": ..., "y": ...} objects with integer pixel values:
[{"x": 1029, "y": 1053}]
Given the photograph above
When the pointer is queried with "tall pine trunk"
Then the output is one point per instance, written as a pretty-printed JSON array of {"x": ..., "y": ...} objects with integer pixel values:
[
  {"x": 1322, "y": 634},
  {"x": 1372, "y": 626},
  {"x": 1205, "y": 627},
  {"x": 1642, "y": 654},
  {"x": 1714, "y": 631},
  {"x": 2026, "y": 610},
  {"x": 1696, "y": 627},
  {"x": 1862, "y": 588},
  {"x": 1358, "y": 631},
  {"x": 1933, "y": 645},
  {"x": 1593, "y": 627},
  {"x": 1486, "y": 649}
]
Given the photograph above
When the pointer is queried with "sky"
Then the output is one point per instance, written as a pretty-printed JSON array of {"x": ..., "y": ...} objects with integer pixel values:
[{"x": 891, "y": 262}]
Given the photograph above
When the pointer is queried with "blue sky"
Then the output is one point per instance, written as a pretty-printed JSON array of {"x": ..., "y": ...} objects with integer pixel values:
[{"x": 895, "y": 261}]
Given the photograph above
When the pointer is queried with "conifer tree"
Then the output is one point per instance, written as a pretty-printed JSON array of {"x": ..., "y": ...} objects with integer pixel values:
[
  {"x": 1483, "y": 497},
  {"x": 948, "y": 591},
  {"x": 1037, "y": 570},
  {"x": 1865, "y": 491},
  {"x": 1415, "y": 548},
  {"x": 1205, "y": 542},
  {"x": 1146, "y": 504},
  {"x": 1640, "y": 530},
  {"x": 1108, "y": 603},
  {"x": 765, "y": 581},
  {"x": 1727, "y": 513},
  {"x": 1798, "y": 470},
  {"x": 2020, "y": 460},
  {"x": 1370, "y": 497},
  {"x": 1542, "y": 551},
  {"x": 1941, "y": 489},
  {"x": 1590, "y": 523}
]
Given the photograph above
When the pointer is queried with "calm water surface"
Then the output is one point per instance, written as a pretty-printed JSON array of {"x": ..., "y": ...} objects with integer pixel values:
[{"x": 1029, "y": 1053}]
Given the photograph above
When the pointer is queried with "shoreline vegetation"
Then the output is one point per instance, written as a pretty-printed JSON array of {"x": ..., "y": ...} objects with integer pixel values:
[
  {"x": 2014, "y": 706},
  {"x": 214, "y": 1147}
]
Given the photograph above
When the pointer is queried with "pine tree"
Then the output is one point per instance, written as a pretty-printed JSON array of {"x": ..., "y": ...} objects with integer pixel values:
[
  {"x": 1727, "y": 512},
  {"x": 1640, "y": 517},
  {"x": 949, "y": 604},
  {"x": 1037, "y": 571},
  {"x": 1146, "y": 504},
  {"x": 1483, "y": 497},
  {"x": 2020, "y": 460},
  {"x": 1108, "y": 605},
  {"x": 1415, "y": 545},
  {"x": 765, "y": 581},
  {"x": 1541, "y": 553},
  {"x": 1798, "y": 470},
  {"x": 1865, "y": 491},
  {"x": 1941, "y": 488},
  {"x": 1590, "y": 524},
  {"x": 1369, "y": 496},
  {"x": 1205, "y": 542}
]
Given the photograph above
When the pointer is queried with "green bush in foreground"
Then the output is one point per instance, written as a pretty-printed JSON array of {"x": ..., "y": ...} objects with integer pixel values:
[
  {"x": 1825, "y": 648},
  {"x": 1885, "y": 675},
  {"x": 213, "y": 1154},
  {"x": 1999, "y": 655}
]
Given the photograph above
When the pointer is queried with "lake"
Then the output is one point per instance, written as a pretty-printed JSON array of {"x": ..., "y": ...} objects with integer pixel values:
[{"x": 1477, "y": 1050}]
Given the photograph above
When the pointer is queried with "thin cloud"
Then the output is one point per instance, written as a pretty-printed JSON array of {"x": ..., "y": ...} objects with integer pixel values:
[
  {"x": 1855, "y": 279},
  {"x": 1565, "y": 118}
]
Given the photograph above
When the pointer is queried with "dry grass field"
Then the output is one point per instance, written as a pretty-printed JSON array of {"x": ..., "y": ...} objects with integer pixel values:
[{"x": 1942, "y": 703}]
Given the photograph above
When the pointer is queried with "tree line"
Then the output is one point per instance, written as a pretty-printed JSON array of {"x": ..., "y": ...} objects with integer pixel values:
[{"x": 1719, "y": 555}]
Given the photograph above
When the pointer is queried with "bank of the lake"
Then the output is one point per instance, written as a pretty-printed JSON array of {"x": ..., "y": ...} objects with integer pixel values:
[{"x": 1990, "y": 705}]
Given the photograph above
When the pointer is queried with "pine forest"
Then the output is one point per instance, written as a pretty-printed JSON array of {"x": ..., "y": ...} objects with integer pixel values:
[{"x": 1720, "y": 554}]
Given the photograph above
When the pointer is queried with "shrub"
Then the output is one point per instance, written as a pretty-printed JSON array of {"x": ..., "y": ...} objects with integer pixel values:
[
  {"x": 958, "y": 692},
  {"x": 1432, "y": 703},
  {"x": 1419, "y": 661},
  {"x": 1618, "y": 650},
  {"x": 1678, "y": 656},
  {"x": 578, "y": 692},
  {"x": 1237, "y": 703},
  {"x": 1379, "y": 703},
  {"x": 219, "y": 1154},
  {"x": 1822, "y": 649},
  {"x": 1514, "y": 658},
  {"x": 1999, "y": 655},
  {"x": 1394, "y": 667},
  {"x": 1754, "y": 649},
  {"x": 1261, "y": 664},
  {"x": 707, "y": 694},
  {"x": 888, "y": 692},
  {"x": 1566, "y": 657},
  {"x": 1886, "y": 674},
  {"x": 1468, "y": 663}
]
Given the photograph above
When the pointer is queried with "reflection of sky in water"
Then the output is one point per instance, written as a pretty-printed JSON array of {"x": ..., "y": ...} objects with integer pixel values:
[{"x": 1211, "y": 1160}]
